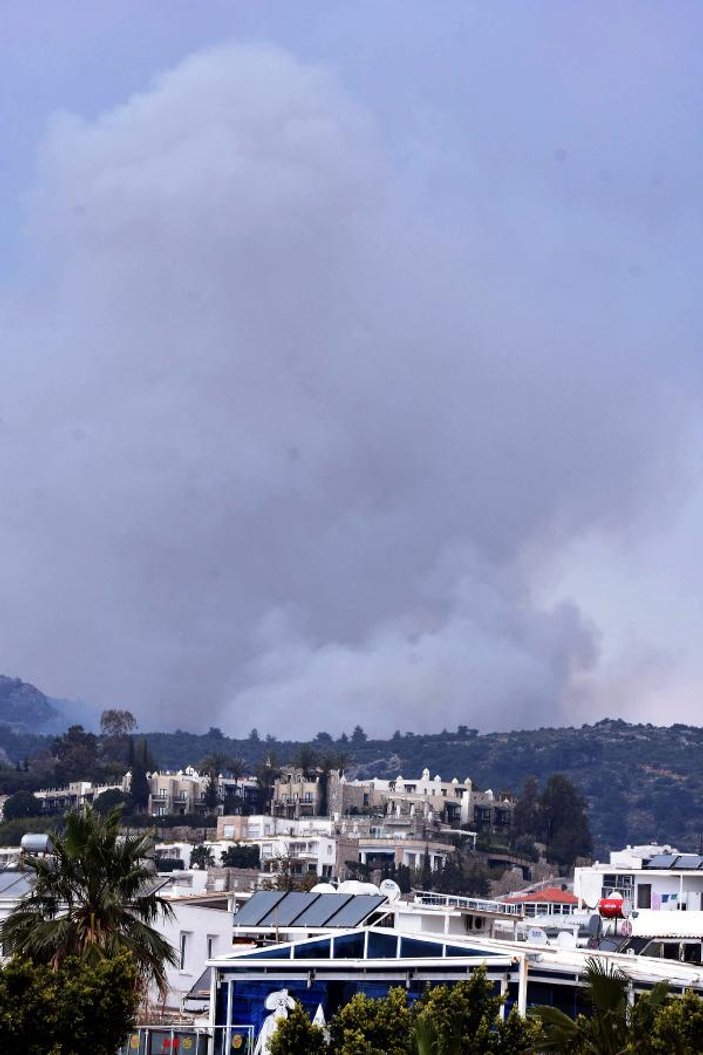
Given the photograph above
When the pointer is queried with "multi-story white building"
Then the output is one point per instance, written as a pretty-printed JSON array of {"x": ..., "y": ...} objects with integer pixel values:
[
  {"x": 76, "y": 794},
  {"x": 661, "y": 891},
  {"x": 422, "y": 800}
]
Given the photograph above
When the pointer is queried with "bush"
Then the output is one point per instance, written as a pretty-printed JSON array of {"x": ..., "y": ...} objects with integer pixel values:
[
  {"x": 77, "y": 1009},
  {"x": 22, "y": 804},
  {"x": 296, "y": 1035},
  {"x": 12, "y": 831},
  {"x": 111, "y": 798},
  {"x": 242, "y": 855},
  {"x": 370, "y": 1027}
]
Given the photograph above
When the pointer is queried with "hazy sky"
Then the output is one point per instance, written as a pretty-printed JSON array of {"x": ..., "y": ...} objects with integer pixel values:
[{"x": 350, "y": 366}]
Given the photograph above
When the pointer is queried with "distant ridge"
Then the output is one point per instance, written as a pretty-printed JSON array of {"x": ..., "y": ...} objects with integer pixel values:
[
  {"x": 23, "y": 705},
  {"x": 25, "y": 708}
]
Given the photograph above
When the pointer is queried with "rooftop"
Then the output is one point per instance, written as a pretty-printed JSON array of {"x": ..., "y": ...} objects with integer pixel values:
[{"x": 552, "y": 895}]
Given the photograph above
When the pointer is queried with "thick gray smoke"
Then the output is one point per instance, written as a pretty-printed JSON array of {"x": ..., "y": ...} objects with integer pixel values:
[{"x": 283, "y": 446}]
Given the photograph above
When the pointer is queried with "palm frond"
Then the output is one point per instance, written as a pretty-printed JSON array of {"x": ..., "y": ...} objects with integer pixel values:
[{"x": 92, "y": 897}]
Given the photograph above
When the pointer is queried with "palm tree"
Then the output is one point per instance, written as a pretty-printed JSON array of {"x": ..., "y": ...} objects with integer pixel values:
[
  {"x": 93, "y": 897},
  {"x": 266, "y": 773},
  {"x": 613, "y": 1020},
  {"x": 236, "y": 767}
]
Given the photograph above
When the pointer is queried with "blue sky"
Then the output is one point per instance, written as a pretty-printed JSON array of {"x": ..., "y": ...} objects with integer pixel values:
[{"x": 352, "y": 361}]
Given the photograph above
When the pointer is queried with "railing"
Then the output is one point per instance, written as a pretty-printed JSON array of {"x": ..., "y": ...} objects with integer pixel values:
[
  {"x": 189, "y": 1040},
  {"x": 470, "y": 904}
]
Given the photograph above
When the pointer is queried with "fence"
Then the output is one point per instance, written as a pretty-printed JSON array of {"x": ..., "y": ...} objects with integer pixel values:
[{"x": 189, "y": 1040}]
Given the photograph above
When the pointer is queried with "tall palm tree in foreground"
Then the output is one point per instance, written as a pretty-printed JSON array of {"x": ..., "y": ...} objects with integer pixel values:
[{"x": 93, "y": 897}]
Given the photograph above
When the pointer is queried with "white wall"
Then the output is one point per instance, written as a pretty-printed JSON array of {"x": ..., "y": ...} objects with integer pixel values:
[{"x": 197, "y": 924}]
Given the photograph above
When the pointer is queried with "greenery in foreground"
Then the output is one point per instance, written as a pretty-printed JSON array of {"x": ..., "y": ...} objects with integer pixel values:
[
  {"x": 464, "y": 1019},
  {"x": 461, "y": 1020},
  {"x": 74, "y": 1009},
  {"x": 82, "y": 944}
]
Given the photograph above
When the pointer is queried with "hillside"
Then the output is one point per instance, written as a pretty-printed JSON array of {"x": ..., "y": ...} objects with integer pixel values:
[
  {"x": 23, "y": 705},
  {"x": 642, "y": 782}
]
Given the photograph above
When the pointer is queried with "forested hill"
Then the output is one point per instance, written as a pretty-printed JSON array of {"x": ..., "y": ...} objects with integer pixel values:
[{"x": 642, "y": 782}]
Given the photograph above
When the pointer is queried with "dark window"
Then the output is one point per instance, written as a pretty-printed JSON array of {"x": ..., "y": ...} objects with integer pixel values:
[{"x": 644, "y": 895}]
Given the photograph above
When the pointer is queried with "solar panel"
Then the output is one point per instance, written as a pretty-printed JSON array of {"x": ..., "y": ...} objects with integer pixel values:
[
  {"x": 688, "y": 861},
  {"x": 273, "y": 908},
  {"x": 661, "y": 861},
  {"x": 258, "y": 905},
  {"x": 286, "y": 911},
  {"x": 356, "y": 910},
  {"x": 325, "y": 906}
]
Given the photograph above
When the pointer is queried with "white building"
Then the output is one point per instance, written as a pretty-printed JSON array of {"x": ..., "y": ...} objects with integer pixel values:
[
  {"x": 201, "y": 929},
  {"x": 662, "y": 894}
]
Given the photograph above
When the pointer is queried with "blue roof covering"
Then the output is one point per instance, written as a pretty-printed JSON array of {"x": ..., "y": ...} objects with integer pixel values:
[{"x": 373, "y": 943}]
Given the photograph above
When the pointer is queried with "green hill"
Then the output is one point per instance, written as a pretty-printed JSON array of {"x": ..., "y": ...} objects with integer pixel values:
[{"x": 643, "y": 783}]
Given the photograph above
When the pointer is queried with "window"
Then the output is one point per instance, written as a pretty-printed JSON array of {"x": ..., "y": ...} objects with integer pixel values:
[
  {"x": 625, "y": 884},
  {"x": 183, "y": 947},
  {"x": 211, "y": 945},
  {"x": 644, "y": 895}
]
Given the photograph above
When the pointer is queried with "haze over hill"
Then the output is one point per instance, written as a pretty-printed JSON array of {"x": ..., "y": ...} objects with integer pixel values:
[
  {"x": 24, "y": 705},
  {"x": 357, "y": 369}
]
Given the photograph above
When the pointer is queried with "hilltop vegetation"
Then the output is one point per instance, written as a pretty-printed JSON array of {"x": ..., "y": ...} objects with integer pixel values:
[{"x": 641, "y": 782}]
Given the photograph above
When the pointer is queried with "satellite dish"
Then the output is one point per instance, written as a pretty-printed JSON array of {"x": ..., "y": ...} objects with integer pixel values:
[
  {"x": 354, "y": 886},
  {"x": 323, "y": 888},
  {"x": 566, "y": 940},
  {"x": 391, "y": 889},
  {"x": 595, "y": 926},
  {"x": 536, "y": 936}
]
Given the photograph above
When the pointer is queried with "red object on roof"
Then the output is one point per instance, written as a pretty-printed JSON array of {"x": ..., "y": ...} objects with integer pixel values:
[
  {"x": 611, "y": 907},
  {"x": 550, "y": 895}
]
